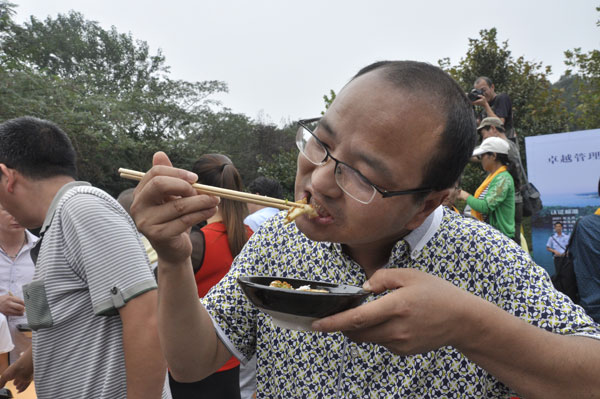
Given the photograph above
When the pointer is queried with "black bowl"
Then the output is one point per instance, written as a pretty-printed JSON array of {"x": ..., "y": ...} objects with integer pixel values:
[{"x": 298, "y": 309}]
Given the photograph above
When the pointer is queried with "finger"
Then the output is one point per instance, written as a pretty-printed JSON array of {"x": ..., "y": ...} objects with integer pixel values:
[
  {"x": 363, "y": 316},
  {"x": 160, "y": 158},
  {"x": 17, "y": 301},
  {"x": 22, "y": 385},
  {"x": 389, "y": 332},
  {"x": 18, "y": 309},
  {"x": 3, "y": 379},
  {"x": 389, "y": 279},
  {"x": 183, "y": 212},
  {"x": 165, "y": 186},
  {"x": 166, "y": 228},
  {"x": 164, "y": 170},
  {"x": 15, "y": 309}
]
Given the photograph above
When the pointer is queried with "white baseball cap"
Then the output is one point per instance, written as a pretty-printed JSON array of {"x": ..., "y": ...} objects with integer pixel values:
[{"x": 492, "y": 144}]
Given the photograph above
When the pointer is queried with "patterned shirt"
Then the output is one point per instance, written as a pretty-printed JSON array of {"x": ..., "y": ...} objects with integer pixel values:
[{"x": 301, "y": 364}]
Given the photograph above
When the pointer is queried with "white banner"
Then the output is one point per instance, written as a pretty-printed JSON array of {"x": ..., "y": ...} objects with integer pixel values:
[{"x": 565, "y": 168}]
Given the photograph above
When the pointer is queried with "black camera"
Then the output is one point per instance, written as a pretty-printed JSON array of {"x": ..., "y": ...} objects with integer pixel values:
[{"x": 474, "y": 94}]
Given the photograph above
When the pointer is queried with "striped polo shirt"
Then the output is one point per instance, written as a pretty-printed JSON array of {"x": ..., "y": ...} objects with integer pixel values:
[{"x": 91, "y": 262}]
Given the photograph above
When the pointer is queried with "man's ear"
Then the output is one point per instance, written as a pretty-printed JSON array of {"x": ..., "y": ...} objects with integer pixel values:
[
  {"x": 8, "y": 177},
  {"x": 429, "y": 204}
]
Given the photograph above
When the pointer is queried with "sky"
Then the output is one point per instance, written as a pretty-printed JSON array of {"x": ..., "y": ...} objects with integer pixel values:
[{"x": 280, "y": 57}]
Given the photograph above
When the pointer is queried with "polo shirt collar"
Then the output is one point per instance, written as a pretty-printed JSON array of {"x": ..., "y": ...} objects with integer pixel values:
[{"x": 56, "y": 200}]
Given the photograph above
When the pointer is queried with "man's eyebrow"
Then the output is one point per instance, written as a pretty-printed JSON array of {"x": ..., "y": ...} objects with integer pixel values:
[
  {"x": 376, "y": 164},
  {"x": 327, "y": 127}
]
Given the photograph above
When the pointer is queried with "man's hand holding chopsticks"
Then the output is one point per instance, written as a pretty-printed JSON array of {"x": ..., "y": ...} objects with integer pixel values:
[{"x": 166, "y": 206}]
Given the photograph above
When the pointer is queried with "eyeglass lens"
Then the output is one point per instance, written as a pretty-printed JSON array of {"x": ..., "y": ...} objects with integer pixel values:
[{"x": 347, "y": 178}]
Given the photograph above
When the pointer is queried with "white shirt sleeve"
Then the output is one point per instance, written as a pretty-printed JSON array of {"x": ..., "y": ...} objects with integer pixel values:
[{"x": 6, "y": 344}]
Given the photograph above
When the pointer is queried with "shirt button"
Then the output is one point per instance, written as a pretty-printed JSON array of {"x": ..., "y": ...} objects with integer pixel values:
[{"x": 114, "y": 290}]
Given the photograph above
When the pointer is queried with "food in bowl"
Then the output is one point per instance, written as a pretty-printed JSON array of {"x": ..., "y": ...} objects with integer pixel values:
[
  {"x": 295, "y": 308},
  {"x": 283, "y": 284}
]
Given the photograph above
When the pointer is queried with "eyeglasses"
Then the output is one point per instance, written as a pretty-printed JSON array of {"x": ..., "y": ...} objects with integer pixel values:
[{"x": 350, "y": 180}]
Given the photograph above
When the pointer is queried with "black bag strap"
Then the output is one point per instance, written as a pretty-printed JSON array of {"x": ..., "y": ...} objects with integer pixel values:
[
  {"x": 523, "y": 183},
  {"x": 571, "y": 238},
  {"x": 559, "y": 244}
]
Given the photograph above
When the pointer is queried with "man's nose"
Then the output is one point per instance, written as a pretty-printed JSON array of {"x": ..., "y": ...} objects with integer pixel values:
[{"x": 323, "y": 179}]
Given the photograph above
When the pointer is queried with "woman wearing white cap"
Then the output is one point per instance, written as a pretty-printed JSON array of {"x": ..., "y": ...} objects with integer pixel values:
[{"x": 494, "y": 200}]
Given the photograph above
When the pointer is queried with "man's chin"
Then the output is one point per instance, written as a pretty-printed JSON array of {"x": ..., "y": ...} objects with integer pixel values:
[{"x": 315, "y": 231}]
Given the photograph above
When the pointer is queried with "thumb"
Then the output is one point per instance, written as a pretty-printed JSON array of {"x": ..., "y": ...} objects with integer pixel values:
[
  {"x": 160, "y": 158},
  {"x": 389, "y": 279}
]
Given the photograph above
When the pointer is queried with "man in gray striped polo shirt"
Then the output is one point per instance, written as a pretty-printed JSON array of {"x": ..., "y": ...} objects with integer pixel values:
[{"x": 92, "y": 301}]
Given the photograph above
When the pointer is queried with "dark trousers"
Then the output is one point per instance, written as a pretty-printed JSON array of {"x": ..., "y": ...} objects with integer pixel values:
[
  {"x": 558, "y": 260},
  {"x": 518, "y": 220},
  {"x": 220, "y": 385}
]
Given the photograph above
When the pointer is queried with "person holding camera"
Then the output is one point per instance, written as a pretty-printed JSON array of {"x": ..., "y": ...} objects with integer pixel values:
[{"x": 493, "y": 105}]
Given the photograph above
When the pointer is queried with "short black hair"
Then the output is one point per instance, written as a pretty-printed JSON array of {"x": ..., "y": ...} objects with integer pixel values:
[
  {"x": 457, "y": 141},
  {"x": 37, "y": 148},
  {"x": 266, "y": 186},
  {"x": 486, "y": 79},
  {"x": 125, "y": 199},
  {"x": 557, "y": 223}
]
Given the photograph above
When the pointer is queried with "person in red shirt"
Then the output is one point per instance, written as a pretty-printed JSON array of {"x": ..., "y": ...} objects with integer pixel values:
[{"x": 214, "y": 247}]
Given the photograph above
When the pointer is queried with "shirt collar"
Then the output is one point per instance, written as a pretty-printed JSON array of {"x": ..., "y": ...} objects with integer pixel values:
[
  {"x": 31, "y": 239},
  {"x": 55, "y": 201},
  {"x": 420, "y": 236}
]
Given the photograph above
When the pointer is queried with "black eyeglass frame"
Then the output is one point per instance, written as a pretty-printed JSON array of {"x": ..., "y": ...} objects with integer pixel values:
[{"x": 384, "y": 193}]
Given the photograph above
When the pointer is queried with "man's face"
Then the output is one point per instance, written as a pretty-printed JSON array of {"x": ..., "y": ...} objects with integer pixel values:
[
  {"x": 9, "y": 224},
  {"x": 558, "y": 228},
  {"x": 489, "y": 131},
  {"x": 386, "y": 134},
  {"x": 15, "y": 202},
  {"x": 488, "y": 92},
  {"x": 486, "y": 132}
]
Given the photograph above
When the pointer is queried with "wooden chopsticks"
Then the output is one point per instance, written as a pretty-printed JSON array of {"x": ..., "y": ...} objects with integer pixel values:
[{"x": 225, "y": 193}]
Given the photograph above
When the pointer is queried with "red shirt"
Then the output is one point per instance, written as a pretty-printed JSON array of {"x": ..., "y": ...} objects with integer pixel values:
[{"x": 215, "y": 264}]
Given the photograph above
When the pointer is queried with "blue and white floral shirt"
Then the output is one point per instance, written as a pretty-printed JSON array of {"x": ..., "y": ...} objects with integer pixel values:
[{"x": 299, "y": 364}]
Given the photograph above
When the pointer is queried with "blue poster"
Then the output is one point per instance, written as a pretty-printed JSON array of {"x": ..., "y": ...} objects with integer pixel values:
[{"x": 565, "y": 168}]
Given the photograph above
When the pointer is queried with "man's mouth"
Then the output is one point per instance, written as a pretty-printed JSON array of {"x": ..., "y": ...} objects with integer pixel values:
[{"x": 321, "y": 211}]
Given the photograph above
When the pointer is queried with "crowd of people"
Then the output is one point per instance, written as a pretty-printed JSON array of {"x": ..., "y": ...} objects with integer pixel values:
[{"x": 458, "y": 308}]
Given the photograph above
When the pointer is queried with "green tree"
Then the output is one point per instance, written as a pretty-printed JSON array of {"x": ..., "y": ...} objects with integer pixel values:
[
  {"x": 328, "y": 100},
  {"x": 114, "y": 98},
  {"x": 281, "y": 167},
  {"x": 585, "y": 68},
  {"x": 538, "y": 108}
]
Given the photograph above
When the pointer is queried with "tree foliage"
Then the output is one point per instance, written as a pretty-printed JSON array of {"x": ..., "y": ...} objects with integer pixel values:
[
  {"x": 118, "y": 102},
  {"x": 585, "y": 69},
  {"x": 538, "y": 108},
  {"x": 105, "y": 89}
]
